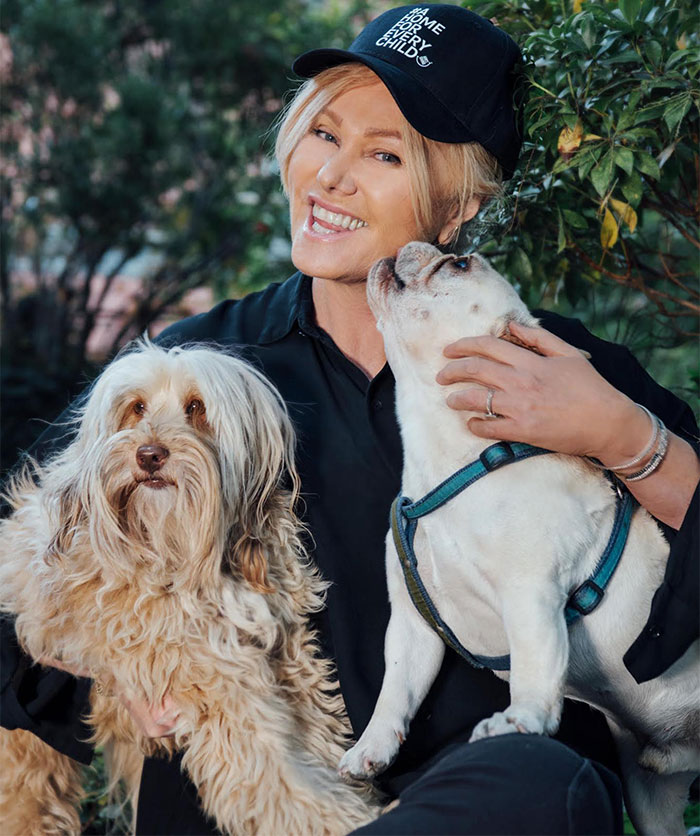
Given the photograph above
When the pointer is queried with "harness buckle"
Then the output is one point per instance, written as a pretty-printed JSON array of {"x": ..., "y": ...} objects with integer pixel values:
[
  {"x": 496, "y": 456},
  {"x": 586, "y": 598}
]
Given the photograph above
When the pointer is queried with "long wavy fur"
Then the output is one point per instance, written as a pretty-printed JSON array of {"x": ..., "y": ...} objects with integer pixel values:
[{"x": 199, "y": 588}]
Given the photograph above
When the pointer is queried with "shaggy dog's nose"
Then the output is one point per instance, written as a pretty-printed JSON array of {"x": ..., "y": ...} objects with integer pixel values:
[{"x": 151, "y": 457}]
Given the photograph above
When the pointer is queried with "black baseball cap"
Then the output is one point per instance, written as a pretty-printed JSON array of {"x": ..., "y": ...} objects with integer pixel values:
[{"x": 453, "y": 74}]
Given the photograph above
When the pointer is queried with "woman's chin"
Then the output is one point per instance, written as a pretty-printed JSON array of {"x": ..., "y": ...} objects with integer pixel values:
[{"x": 335, "y": 260}]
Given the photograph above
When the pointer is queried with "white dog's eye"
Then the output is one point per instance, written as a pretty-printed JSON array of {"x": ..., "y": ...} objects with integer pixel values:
[
  {"x": 139, "y": 407},
  {"x": 462, "y": 263}
]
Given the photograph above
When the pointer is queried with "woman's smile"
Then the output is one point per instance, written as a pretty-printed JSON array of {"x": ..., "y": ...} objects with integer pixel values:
[{"x": 350, "y": 199}]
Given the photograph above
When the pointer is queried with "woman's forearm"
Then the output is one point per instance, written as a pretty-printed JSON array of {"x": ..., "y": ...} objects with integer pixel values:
[{"x": 666, "y": 493}]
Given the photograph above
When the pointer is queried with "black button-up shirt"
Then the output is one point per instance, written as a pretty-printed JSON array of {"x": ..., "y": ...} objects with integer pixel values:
[{"x": 349, "y": 458}]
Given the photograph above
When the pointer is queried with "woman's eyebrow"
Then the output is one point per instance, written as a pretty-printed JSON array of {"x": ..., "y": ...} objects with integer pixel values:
[
  {"x": 382, "y": 132},
  {"x": 332, "y": 114}
]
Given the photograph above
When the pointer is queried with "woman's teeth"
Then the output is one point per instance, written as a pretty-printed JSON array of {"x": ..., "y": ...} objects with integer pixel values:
[{"x": 335, "y": 218}]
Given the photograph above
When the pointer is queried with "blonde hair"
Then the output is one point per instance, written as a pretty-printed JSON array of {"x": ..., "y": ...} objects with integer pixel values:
[{"x": 444, "y": 176}]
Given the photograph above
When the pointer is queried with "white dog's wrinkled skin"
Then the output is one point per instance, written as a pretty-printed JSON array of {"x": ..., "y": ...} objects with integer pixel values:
[
  {"x": 160, "y": 551},
  {"x": 501, "y": 558}
]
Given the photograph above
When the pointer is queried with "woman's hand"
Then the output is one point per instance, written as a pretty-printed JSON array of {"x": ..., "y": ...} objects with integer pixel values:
[
  {"x": 553, "y": 399},
  {"x": 151, "y": 720},
  {"x": 557, "y": 400}
]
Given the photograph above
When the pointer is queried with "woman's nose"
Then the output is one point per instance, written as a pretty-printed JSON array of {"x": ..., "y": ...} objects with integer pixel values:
[{"x": 336, "y": 174}]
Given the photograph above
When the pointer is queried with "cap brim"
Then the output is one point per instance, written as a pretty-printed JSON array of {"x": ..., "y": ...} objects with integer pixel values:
[{"x": 417, "y": 103}]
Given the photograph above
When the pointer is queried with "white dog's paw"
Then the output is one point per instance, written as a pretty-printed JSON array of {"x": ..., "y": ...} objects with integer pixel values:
[
  {"x": 371, "y": 754},
  {"x": 516, "y": 718}
]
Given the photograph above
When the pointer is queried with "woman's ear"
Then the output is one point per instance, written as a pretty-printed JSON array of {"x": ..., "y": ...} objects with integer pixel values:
[{"x": 451, "y": 226}]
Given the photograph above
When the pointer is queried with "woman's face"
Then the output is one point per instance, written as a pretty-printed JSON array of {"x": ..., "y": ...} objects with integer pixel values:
[{"x": 349, "y": 187}]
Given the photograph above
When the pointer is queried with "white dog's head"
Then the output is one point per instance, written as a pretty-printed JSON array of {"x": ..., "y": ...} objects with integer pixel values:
[
  {"x": 178, "y": 452},
  {"x": 424, "y": 300}
]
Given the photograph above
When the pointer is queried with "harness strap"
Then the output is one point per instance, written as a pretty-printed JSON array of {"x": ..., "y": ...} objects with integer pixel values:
[
  {"x": 404, "y": 516},
  {"x": 493, "y": 457}
]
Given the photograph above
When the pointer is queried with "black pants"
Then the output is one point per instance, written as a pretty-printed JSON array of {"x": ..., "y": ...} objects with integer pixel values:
[{"x": 514, "y": 784}]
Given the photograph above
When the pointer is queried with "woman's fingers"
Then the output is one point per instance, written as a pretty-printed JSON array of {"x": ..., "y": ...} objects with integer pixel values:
[
  {"x": 486, "y": 346},
  {"x": 543, "y": 341},
  {"x": 152, "y": 720},
  {"x": 477, "y": 370},
  {"x": 537, "y": 339},
  {"x": 476, "y": 399}
]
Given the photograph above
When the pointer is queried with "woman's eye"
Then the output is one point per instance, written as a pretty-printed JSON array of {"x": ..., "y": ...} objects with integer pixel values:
[
  {"x": 386, "y": 157},
  {"x": 462, "y": 263},
  {"x": 324, "y": 135}
]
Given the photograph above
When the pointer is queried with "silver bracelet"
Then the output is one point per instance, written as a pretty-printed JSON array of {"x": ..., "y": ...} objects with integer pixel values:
[
  {"x": 656, "y": 425},
  {"x": 655, "y": 460}
]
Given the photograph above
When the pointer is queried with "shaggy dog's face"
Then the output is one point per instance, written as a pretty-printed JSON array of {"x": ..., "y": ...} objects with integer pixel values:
[
  {"x": 179, "y": 451},
  {"x": 425, "y": 299},
  {"x": 160, "y": 443}
]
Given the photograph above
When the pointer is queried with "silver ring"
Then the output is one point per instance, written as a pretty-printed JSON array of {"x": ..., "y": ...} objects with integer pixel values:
[{"x": 489, "y": 402}]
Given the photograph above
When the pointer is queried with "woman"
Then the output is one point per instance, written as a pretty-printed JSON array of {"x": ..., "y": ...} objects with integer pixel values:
[{"x": 373, "y": 153}]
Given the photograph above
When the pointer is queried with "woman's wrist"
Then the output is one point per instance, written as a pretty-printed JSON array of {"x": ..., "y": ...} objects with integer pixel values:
[{"x": 629, "y": 430}]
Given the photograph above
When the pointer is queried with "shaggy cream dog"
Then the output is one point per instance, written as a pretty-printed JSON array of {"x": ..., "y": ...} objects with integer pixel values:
[
  {"x": 160, "y": 552},
  {"x": 500, "y": 571}
]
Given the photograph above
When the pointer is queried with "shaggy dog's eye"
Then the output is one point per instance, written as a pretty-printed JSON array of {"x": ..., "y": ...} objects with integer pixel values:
[
  {"x": 463, "y": 262},
  {"x": 194, "y": 407},
  {"x": 139, "y": 407}
]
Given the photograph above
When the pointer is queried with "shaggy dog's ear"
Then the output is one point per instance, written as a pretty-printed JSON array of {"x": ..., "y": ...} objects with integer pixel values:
[
  {"x": 251, "y": 561},
  {"x": 266, "y": 518},
  {"x": 70, "y": 513}
]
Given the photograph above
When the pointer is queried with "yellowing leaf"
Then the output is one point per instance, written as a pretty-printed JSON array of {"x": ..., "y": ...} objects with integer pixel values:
[
  {"x": 578, "y": 6},
  {"x": 626, "y": 213},
  {"x": 569, "y": 140},
  {"x": 589, "y": 137},
  {"x": 681, "y": 43},
  {"x": 608, "y": 231}
]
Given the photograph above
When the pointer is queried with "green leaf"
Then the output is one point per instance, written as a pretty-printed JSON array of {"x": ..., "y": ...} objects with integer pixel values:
[
  {"x": 602, "y": 174},
  {"x": 647, "y": 164},
  {"x": 588, "y": 31},
  {"x": 674, "y": 112},
  {"x": 561, "y": 235},
  {"x": 520, "y": 264},
  {"x": 632, "y": 189},
  {"x": 653, "y": 51},
  {"x": 574, "y": 219},
  {"x": 629, "y": 56},
  {"x": 653, "y": 111},
  {"x": 630, "y": 9},
  {"x": 625, "y": 120},
  {"x": 625, "y": 159}
]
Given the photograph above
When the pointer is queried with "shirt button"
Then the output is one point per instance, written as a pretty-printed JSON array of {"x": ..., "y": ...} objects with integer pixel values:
[
  {"x": 654, "y": 632},
  {"x": 377, "y": 405}
]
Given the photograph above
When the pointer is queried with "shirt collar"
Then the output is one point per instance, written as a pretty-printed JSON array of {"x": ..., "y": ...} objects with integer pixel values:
[{"x": 290, "y": 308}]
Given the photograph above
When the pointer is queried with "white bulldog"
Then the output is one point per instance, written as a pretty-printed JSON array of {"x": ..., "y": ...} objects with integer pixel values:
[{"x": 501, "y": 558}]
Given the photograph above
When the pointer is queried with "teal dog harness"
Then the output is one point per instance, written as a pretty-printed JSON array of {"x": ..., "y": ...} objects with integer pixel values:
[{"x": 404, "y": 520}]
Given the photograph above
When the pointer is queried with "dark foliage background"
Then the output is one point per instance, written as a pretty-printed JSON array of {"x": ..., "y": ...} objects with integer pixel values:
[{"x": 135, "y": 142}]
